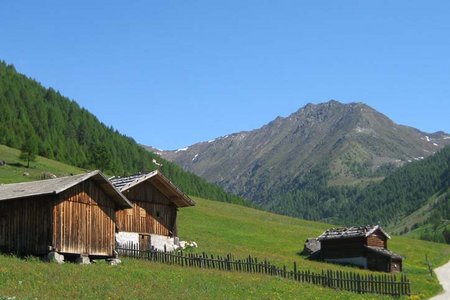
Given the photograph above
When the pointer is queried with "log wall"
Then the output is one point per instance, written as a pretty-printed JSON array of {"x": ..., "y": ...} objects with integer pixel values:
[{"x": 377, "y": 239}]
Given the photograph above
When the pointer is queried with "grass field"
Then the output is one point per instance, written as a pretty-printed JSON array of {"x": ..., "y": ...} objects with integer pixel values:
[
  {"x": 218, "y": 228},
  {"x": 135, "y": 279},
  {"x": 15, "y": 168}
]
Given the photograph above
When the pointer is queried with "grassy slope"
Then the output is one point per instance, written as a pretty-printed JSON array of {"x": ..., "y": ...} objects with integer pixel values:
[
  {"x": 218, "y": 228},
  {"x": 13, "y": 171},
  {"x": 222, "y": 228},
  {"x": 417, "y": 218}
]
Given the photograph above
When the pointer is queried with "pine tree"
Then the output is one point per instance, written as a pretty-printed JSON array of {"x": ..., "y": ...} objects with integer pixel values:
[
  {"x": 101, "y": 158},
  {"x": 29, "y": 147}
]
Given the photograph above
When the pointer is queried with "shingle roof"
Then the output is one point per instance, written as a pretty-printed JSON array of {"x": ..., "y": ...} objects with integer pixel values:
[
  {"x": 58, "y": 185},
  {"x": 161, "y": 182},
  {"x": 350, "y": 232},
  {"x": 384, "y": 252}
]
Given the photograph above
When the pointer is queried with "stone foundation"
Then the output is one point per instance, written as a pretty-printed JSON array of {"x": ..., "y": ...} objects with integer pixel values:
[{"x": 55, "y": 257}]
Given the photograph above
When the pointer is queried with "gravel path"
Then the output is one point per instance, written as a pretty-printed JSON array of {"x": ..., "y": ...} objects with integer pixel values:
[{"x": 443, "y": 274}]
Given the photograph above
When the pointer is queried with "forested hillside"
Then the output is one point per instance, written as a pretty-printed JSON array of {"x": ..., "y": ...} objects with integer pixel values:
[
  {"x": 407, "y": 189},
  {"x": 404, "y": 191},
  {"x": 60, "y": 129}
]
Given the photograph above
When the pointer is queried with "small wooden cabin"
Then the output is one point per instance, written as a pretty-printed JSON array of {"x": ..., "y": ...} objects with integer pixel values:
[
  {"x": 72, "y": 215},
  {"x": 153, "y": 219},
  {"x": 362, "y": 246}
]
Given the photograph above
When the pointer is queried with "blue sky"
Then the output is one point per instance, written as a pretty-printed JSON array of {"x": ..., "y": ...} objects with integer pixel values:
[{"x": 172, "y": 73}]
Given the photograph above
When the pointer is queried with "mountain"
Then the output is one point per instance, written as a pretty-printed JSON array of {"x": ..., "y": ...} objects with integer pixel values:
[
  {"x": 65, "y": 132},
  {"x": 343, "y": 144}
]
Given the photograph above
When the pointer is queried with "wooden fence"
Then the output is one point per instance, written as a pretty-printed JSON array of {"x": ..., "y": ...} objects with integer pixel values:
[{"x": 385, "y": 284}]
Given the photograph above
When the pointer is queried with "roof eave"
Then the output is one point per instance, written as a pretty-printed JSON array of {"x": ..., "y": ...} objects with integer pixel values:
[
  {"x": 375, "y": 228},
  {"x": 28, "y": 196}
]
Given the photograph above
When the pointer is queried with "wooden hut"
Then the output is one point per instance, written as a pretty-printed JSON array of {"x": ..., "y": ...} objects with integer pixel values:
[
  {"x": 153, "y": 219},
  {"x": 72, "y": 215},
  {"x": 362, "y": 246}
]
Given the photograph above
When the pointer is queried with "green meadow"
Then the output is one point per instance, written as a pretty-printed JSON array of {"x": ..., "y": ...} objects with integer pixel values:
[{"x": 218, "y": 228}]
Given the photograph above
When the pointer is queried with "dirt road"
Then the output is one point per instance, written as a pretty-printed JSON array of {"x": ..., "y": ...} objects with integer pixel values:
[{"x": 443, "y": 274}]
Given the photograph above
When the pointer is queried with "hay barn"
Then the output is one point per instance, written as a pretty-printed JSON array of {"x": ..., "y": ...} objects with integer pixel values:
[
  {"x": 362, "y": 246},
  {"x": 72, "y": 215}
]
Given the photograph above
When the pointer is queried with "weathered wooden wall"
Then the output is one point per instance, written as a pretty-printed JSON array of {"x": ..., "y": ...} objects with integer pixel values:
[
  {"x": 377, "y": 239},
  {"x": 342, "y": 248},
  {"x": 152, "y": 212},
  {"x": 377, "y": 262},
  {"x": 84, "y": 221},
  {"x": 25, "y": 225}
]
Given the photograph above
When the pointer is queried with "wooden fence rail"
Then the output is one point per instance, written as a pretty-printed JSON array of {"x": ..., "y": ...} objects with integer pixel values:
[{"x": 385, "y": 284}]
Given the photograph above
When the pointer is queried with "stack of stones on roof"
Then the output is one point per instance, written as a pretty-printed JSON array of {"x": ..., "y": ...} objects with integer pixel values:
[
  {"x": 86, "y": 216},
  {"x": 365, "y": 247}
]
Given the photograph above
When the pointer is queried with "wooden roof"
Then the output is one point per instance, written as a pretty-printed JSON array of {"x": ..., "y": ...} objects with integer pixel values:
[
  {"x": 58, "y": 185},
  {"x": 161, "y": 182},
  {"x": 350, "y": 232},
  {"x": 384, "y": 252}
]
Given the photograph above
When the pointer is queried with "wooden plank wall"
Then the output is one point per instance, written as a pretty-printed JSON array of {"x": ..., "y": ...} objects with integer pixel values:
[
  {"x": 84, "y": 221},
  {"x": 25, "y": 225},
  {"x": 152, "y": 212}
]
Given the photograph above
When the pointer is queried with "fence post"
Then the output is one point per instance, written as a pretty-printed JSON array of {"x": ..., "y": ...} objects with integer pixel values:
[
  {"x": 295, "y": 270},
  {"x": 409, "y": 287}
]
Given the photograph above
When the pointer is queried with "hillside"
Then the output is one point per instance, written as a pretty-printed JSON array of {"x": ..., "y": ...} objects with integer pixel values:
[
  {"x": 406, "y": 190},
  {"x": 430, "y": 222},
  {"x": 64, "y": 131},
  {"x": 15, "y": 168},
  {"x": 218, "y": 228}
]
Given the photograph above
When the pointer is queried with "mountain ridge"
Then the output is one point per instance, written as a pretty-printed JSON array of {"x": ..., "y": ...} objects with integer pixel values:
[{"x": 353, "y": 139}]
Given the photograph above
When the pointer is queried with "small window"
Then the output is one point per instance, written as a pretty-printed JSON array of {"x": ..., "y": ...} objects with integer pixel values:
[{"x": 157, "y": 214}]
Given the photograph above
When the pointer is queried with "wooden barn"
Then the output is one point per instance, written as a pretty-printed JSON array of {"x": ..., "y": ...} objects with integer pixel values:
[
  {"x": 153, "y": 219},
  {"x": 72, "y": 215},
  {"x": 362, "y": 246}
]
